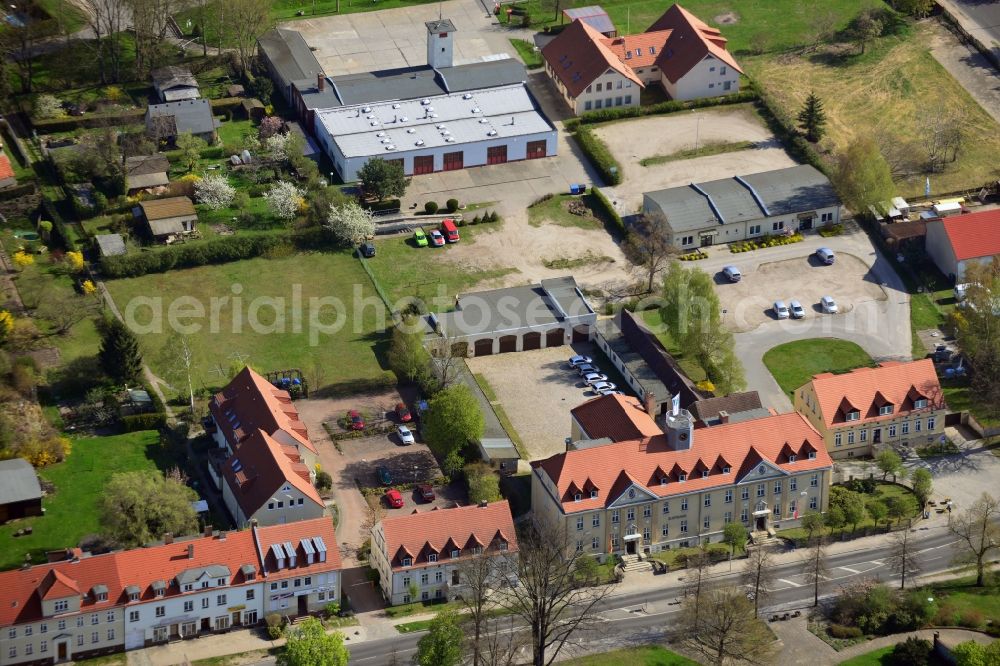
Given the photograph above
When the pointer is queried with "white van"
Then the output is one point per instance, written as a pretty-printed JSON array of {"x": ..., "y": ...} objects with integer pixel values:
[{"x": 825, "y": 255}]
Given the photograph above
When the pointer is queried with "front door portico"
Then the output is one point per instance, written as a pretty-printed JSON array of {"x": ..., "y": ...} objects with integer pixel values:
[
  {"x": 760, "y": 516},
  {"x": 631, "y": 540}
]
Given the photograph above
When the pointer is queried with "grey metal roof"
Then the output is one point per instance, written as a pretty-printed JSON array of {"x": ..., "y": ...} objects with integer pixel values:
[
  {"x": 498, "y": 447},
  {"x": 18, "y": 481},
  {"x": 211, "y": 571},
  {"x": 686, "y": 208},
  {"x": 441, "y": 25},
  {"x": 487, "y": 74},
  {"x": 145, "y": 180},
  {"x": 171, "y": 225},
  {"x": 289, "y": 54},
  {"x": 138, "y": 165},
  {"x": 371, "y": 87},
  {"x": 594, "y": 16},
  {"x": 636, "y": 365},
  {"x": 793, "y": 190},
  {"x": 131, "y": 590},
  {"x": 110, "y": 244},
  {"x": 248, "y": 570},
  {"x": 567, "y": 296},
  {"x": 173, "y": 76},
  {"x": 731, "y": 201},
  {"x": 100, "y": 589},
  {"x": 192, "y": 115}
]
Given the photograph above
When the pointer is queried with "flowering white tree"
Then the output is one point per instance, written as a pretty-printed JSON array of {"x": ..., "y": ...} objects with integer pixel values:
[
  {"x": 214, "y": 191},
  {"x": 48, "y": 106},
  {"x": 350, "y": 223},
  {"x": 277, "y": 146},
  {"x": 284, "y": 199}
]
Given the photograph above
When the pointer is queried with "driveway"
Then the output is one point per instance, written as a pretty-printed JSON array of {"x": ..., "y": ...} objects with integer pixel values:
[
  {"x": 970, "y": 67},
  {"x": 979, "y": 18},
  {"x": 880, "y": 327}
]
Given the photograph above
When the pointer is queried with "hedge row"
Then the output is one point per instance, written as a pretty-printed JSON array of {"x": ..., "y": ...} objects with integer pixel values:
[
  {"x": 90, "y": 120},
  {"x": 147, "y": 421},
  {"x": 18, "y": 191},
  {"x": 66, "y": 238},
  {"x": 599, "y": 154},
  {"x": 670, "y": 106},
  {"x": 370, "y": 431},
  {"x": 608, "y": 209},
  {"x": 382, "y": 206}
]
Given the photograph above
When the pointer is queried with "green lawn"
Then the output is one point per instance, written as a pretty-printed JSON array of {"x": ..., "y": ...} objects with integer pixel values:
[
  {"x": 716, "y": 148},
  {"x": 690, "y": 366},
  {"x": 883, "y": 492},
  {"x": 555, "y": 211},
  {"x": 879, "y": 657},
  {"x": 670, "y": 557},
  {"x": 647, "y": 655},
  {"x": 348, "y": 356},
  {"x": 405, "y": 270},
  {"x": 420, "y": 607},
  {"x": 71, "y": 511},
  {"x": 961, "y": 398},
  {"x": 232, "y": 131},
  {"x": 526, "y": 50},
  {"x": 961, "y": 602},
  {"x": 794, "y": 363}
]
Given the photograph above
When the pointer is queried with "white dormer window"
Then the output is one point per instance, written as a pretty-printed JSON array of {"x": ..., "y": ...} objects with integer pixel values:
[
  {"x": 593, "y": 494},
  {"x": 133, "y": 596},
  {"x": 61, "y": 605},
  {"x": 221, "y": 581},
  {"x": 455, "y": 553},
  {"x": 652, "y": 50},
  {"x": 577, "y": 497},
  {"x": 682, "y": 477},
  {"x": 188, "y": 587},
  {"x": 704, "y": 473},
  {"x": 432, "y": 557},
  {"x": 920, "y": 403},
  {"x": 663, "y": 480},
  {"x": 407, "y": 561},
  {"x": 853, "y": 415},
  {"x": 638, "y": 52},
  {"x": 812, "y": 455},
  {"x": 885, "y": 409},
  {"x": 792, "y": 458},
  {"x": 727, "y": 469}
]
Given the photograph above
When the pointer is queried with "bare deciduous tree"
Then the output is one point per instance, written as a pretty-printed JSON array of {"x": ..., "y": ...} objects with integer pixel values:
[
  {"x": 249, "y": 20},
  {"x": 814, "y": 568},
  {"x": 942, "y": 133},
  {"x": 648, "y": 246},
  {"x": 758, "y": 575},
  {"x": 902, "y": 558},
  {"x": 725, "y": 629},
  {"x": 549, "y": 596},
  {"x": 150, "y": 21},
  {"x": 502, "y": 643},
  {"x": 108, "y": 18},
  {"x": 978, "y": 533},
  {"x": 480, "y": 576}
]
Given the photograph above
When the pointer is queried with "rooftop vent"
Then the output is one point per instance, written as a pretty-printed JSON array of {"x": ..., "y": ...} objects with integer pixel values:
[
  {"x": 430, "y": 109},
  {"x": 433, "y": 115},
  {"x": 370, "y": 117},
  {"x": 395, "y": 106},
  {"x": 367, "y": 109},
  {"x": 411, "y": 131},
  {"x": 390, "y": 147},
  {"x": 483, "y": 121},
  {"x": 403, "y": 119},
  {"x": 374, "y": 123},
  {"x": 441, "y": 126},
  {"x": 445, "y": 132},
  {"x": 476, "y": 109},
  {"x": 491, "y": 133},
  {"x": 379, "y": 133},
  {"x": 419, "y": 142},
  {"x": 467, "y": 96},
  {"x": 450, "y": 139},
  {"x": 425, "y": 102}
]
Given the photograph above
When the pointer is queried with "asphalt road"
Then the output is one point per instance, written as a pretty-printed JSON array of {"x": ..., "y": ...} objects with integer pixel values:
[{"x": 645, "y": 616}]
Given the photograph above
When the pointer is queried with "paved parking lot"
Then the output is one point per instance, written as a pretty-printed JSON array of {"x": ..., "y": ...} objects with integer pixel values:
[
  {"x": 749, "y": 303},
  {"x": 537, "y": 389},
  {"x": 635, "y": 140}
]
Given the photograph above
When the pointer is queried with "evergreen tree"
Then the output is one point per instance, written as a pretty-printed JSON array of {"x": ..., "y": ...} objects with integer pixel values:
[
  {"x": 119, "y": 355},
  {"x": 812, "y": 118}
]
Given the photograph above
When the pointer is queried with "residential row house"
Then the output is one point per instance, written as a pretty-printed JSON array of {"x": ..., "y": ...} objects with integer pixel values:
[
  {"x": 421, "y": 556},
  {"x": 85, "y": 605},
  {"x": 266, "y": 467},
  {"x": 632, "y": 483},
  {"x": 860, "y": 412}
]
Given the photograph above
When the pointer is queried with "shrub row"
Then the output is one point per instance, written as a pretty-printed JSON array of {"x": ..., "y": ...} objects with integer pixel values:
[
  {"x": 90, "y": 121},
  {"x": 693, "y": 256},
  {"x": 599, "y": 154},
  {"x": 784, "y": 129},
  {"x": 147, "y": 421},
  {"x": 370, "y": 431},
  {"x": 609, "y": 210},
  {"x": 670, "y": 106},
  {"x": 763, "y": 242},
  {"x": 382, "y": 206},
  {"x": 66, "y": 237}
]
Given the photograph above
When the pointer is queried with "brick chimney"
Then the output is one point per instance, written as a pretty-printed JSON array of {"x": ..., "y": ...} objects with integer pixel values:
[
  {"x": 650, "y": 404},
  {"x": 320, "y": 81},
  {"x": 208, "y": 530},
  {"x": 723, "y": 417},
  {"x": 190, "y": 551},
  {"x": 168, "y": 537}
]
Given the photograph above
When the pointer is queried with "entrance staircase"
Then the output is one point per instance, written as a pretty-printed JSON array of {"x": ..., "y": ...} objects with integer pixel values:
[
  {"x": 767, "y": 539},
  {"x": 635, "y": 563}
]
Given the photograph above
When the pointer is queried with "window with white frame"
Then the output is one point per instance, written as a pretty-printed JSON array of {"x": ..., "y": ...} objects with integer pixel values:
[
  {"x": 812, "y": 502},
  {"x": 793, "y": 484},
  {"x": 684, "y": 526},
  {"x": 814, "y": 481},
  {"x": 884, "y": 410},
  {"x": 930, "y": 423},
  {"x": 745, "y": 492},
  {"x": 838, "y": 439},
  {"x": 684, "y": 504},
  {"x": 892, "y": 430},
  {"x": 905, "y": 429},
  {"x": 850, "y": 437},
  {"x": 729, "y": 496}
]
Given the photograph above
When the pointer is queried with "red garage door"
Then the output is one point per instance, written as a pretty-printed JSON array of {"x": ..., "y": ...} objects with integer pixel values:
[
  {"x": 423, "y": 164},
  {"x": 484, "y": 347},
  {"x": 496, "y": 154},
  {"x": 532, "y": 340},
  {"x": 453, "y": 161},
  {"x": 536, "y": 149}
]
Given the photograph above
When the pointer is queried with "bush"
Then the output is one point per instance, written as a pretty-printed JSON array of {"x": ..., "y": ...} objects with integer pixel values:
[
  {"x": 275, "y": 625},
  {"x": 670, "y": 106},
  {"x": 148, "y": 421},
  {"x": 475, "y": 220},
  {"x": 332, "y": 609},
  {"x": 971, "y": 618},
  {"x": 599, "y": 154},
  {"x": 324, "y": 481},
  {"x": 382, "y": 206},
  {"x": 863, "y": 486},
  {"x": 494, "y": 217},
  {"x": 430, "y": 207},
  {"x": 911, "y": 652},
  {"x": 840, "y": 631},
  {"x": 451, "y": 205}
]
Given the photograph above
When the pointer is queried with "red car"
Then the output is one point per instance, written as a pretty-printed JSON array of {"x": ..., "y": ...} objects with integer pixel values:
[
  {"x": 357, "y": 421},
  {"x": 402, "y": 413},
  {"x": 394, "y": 498},
  {"x": 426, "y": 492}
]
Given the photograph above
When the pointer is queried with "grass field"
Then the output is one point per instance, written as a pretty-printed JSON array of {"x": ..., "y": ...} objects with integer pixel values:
[
  {"x": 647, "y": 655},
  {"x": 794, "y": 363},
  {"x": 691, "y": 367},
  {"x": 405, "y": 270},
  {"x": 555, "y": 211},
  {"x": 958, "y": 599},
  {"x": 961, "y": 398},
  {"x": 879, "y": 657},
  {"x": 352, "y": 353},
  {"x": 71, "y": 511},
  {"x": 526, "y": 50},
  {"x": 888, "y": 91}
]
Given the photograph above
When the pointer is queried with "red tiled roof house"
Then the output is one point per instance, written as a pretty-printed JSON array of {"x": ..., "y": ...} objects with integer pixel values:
[
  {"x": 956, "y": 242},
  {"x": 664, "y": 484},
  {"x": 681, "y": 53},
  {"x": 860, "y": 412},
  {"x": 420, "y": 556},
  {"x": 84, "y": 605}
]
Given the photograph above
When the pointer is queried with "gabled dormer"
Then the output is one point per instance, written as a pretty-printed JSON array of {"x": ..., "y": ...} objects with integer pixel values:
[
  {"x": 787, "y": 454},
  {"x": 430, "y": 552},
  {"x": 881, "y": 405},
  {"x": 500, "y": 541},
  {"x": 474, "y": 545},
  {"x": 847, "y": 412},
  {"x": 722, "y": 466},
  {"x": 678, "y": 473},
  {"x": 700, "y": 470},
  {"x": 659, "y": 477},
  {"x": 590, "y": 490},
  {"x": 403, "y": 557},
  {"x": 451, "y": 549},
  {"x": 99, "y": 593},
  {"x": 58, "y": 593},
  {"x": 574, "y": 493},
  {"x": 915, "y": 400},
  {"x": 807, "y": 451}
]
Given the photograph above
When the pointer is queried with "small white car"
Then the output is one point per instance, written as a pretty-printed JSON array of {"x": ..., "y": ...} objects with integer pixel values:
[
  {"x": 579, "y": 360},
  {"x": 780, "y": 310},
  {"x": 797, "y": 310},
  {"x": 586, "y": 369},
  {"x": 604, "y": 386},
  {"x": 405, "y": 435},
  {"x": 732, "y": 273},
  {"x": 607, "y": 391},
  {"x": 828, "y": 304},
  {"x": 595, "y": 377},
  {"x": 825, "y": 255}
]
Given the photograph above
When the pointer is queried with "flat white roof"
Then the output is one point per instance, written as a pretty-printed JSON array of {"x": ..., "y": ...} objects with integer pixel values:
[{"x": 399, "y": 126}]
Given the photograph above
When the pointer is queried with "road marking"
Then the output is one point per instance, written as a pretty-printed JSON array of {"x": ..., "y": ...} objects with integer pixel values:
[
  {"x": 878, "y": 562},
  {"x": 853, "y": 571},
  {"x": 790, "y": 582}
]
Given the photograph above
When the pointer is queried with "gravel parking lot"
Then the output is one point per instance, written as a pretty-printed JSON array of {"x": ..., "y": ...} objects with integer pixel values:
[
  {"x": 633, "y": 140},
  {"x": 537, "y": 389},
  {"x": 749, "y": 303}
]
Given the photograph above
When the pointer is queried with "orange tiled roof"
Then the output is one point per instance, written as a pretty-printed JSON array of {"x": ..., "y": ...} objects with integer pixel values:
[
  {"x": 973, "y": 235},
  {"x": 260, "y": 466},
  {"x": 690, "y": 41},
  {"x": 141, "y": 567},
  {"x": 6, "y": 170},
  {"x": 250, "y": 403},
  {"x": 440, "y": 531},
  {"x": 578, "y": 55},
  {"x": 640, "y": 50},
  {"x": 617, "y": 417},
  {"x": 739, "y": 446},
  {"x": 866, "y": 389}
]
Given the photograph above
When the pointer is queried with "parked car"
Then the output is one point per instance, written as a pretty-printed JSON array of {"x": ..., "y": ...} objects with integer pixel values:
[
  {"x": 594, "y": 377},
  {"x": 586, "y": 368},
  {"x": 405, "y": 435},
  {"x": 394, "y": 498},
  {"x": 402, "y": 413},
  {"x": 577, "y": 360},
  {"x": 367, "y": 250},
  {"x": 798, "y": 312},
  {"x": 825, "y": 255},
  {"x": 449, "y": 230},
  {"x": 732, "y": 273},
  {"x": 420, "y": 238},
  {"x": 828, "y": 304},
  {"x": 609, "y": 391},
  {"x": 604, "y": 386},
  {"x": 780, "y": 310},
  {"x": 357, "y": 421},
  {"x": 437, "y": 240},
  {"x": 426, "y": 492},
  {"x": 384, "y": 477}
]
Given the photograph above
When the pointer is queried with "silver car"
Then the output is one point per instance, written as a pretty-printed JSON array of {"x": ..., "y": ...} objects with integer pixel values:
[
  {"x": 798, "y": 312},
  {"x": 586, "y": 368},
  {"x": 405, "y": 435},
  {"x": 604, "y": 386},
  {"x": 595, "y": 377},
  {"x": 780, "y": 310},
  {"x": 732, "y": 273},
  {"x": 829, "y": 305}
]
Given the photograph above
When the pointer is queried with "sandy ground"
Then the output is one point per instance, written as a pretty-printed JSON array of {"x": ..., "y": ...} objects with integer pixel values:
[
  {"x": 748, "y": 303},
  {"x": 638, "y": 139},
  {"x": 537, "y": 389}
]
